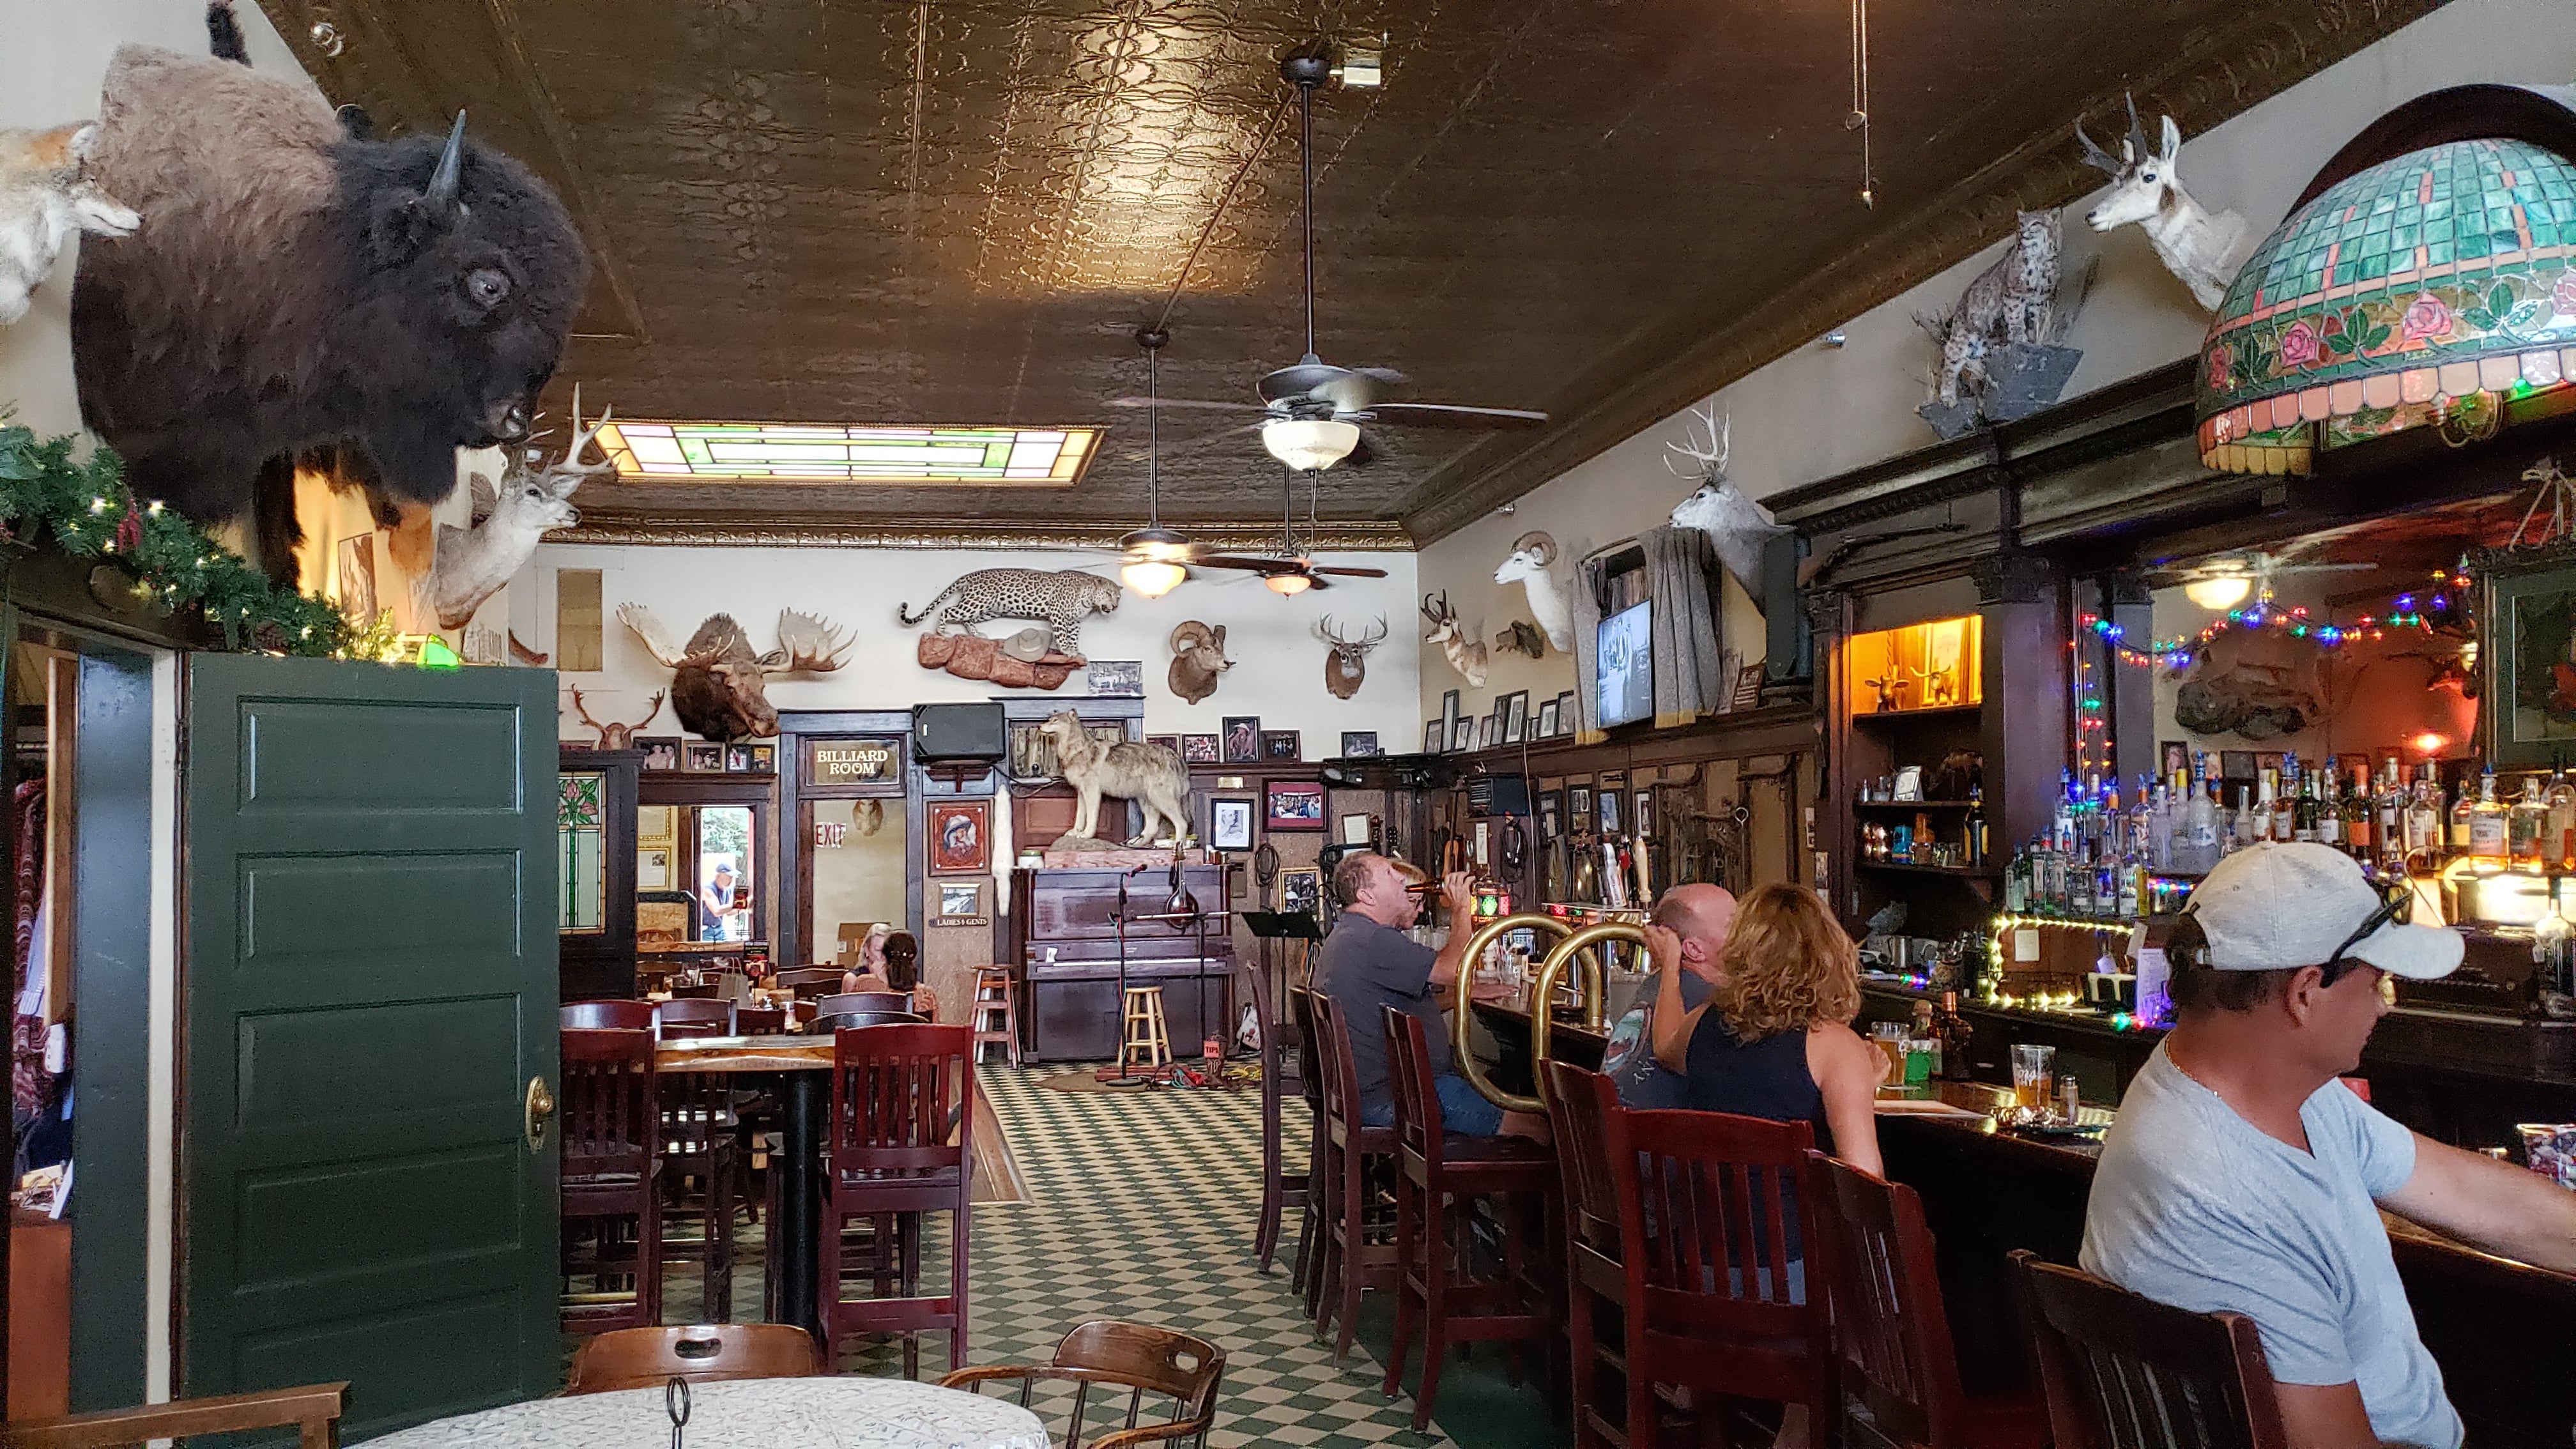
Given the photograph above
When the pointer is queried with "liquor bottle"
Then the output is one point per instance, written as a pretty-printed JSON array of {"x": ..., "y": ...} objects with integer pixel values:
[
  {"x": 2424, "y": 820},
  {"x": 2462, "y": 809},
  {"x": 2525, "y": 823},
  {"x": 2329, "y": 809},
  {"x": 1951, "y": 1030},
  {"x": 2358, "y": 819},
  {"x": 2017, "y": 883},
  {"x": 2264, "y": 809},
  {"x": 2285, "y": 801},
  {"x": 2487, "y": 837},
  {"x": 2306, "y": 814},
  {"x": 1923, "y": 1032},
  {"x": 2391, "y": 823},
  {"x": 2200, "y": 819},
  {"x": 1976, "y": 828},
  {"x": 2079, "y": 880},
  {"x": 2558, "y": 835},
  {"x": 2240, "y": 825},
  {"x": 2130, "y": 879}
]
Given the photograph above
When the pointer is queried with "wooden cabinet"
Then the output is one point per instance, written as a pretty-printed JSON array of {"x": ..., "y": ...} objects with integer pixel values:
[{"x": 1065, "y": 945}]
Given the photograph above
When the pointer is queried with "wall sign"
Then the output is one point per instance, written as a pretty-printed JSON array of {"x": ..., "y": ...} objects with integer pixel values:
[{"x": 849, "y": 762}]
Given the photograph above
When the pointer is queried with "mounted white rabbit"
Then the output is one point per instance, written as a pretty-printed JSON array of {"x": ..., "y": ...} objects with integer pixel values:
[
  {"x": 1531, "y": 555},
  {"x": 1736, "y": 525},
  {"x": 1465, "y": 652},
  {"x": 475, "y": 564},
  {"x": 2203, "y": 250}
]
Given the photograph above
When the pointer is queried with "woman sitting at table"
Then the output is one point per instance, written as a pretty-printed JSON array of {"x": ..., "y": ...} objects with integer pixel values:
[{"x": 898, "y": 969}]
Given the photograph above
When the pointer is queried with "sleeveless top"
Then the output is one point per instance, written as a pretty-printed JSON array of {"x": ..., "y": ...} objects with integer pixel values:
[{"x": 1766, "y": 1078}]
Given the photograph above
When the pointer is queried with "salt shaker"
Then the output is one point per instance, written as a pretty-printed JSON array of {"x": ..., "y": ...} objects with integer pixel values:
[{"x": 2070, "y": 1101}]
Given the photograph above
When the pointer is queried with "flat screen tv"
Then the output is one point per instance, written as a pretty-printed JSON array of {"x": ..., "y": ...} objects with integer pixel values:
[{"x": 1625, "y": 679}]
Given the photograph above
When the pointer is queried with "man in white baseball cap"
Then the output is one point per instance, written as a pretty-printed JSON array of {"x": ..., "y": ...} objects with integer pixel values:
[{"x": 2241, "y": 1175}]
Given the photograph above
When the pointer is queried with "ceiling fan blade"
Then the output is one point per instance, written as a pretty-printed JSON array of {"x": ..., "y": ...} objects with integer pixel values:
[
  {"x": 1186, "y": 402},
  {"x": 1456, "y": 415},
  {"x": 1350, "y": 573},
  {"x": 1237, "y": 561}
]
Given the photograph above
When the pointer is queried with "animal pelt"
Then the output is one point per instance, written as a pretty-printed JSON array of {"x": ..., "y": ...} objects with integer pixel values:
[
  {"x": 1150, "y": 775},
  {"x": 46, "y": 194},
  {"x": 300, "y": 289},
  {"x": 2258, "y": 684}
]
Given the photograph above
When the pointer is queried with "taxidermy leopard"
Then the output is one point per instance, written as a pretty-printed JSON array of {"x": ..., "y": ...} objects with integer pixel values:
[{"x": 1062, "y": 599}]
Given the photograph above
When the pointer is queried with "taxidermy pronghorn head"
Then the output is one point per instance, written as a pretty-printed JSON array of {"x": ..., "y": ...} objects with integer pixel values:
[
  {"x": 1465, "y": 652},
  {"x": 2146, "y": 188}
]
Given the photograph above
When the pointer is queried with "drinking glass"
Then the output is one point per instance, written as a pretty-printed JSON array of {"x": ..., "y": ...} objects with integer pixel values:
[
  {"x": 2034, "y": 1075},
  {"x": 1890, "y": 1037}
]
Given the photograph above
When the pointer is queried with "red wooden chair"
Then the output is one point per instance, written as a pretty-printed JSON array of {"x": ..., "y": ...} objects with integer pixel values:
[
  {"x": 1355, "y": 1256},
  {"x": 1310, "y": 1085},
  {"x": 606, "y": 1016},
  {"x": 902, "y": 1099},
  {"x": 704, "y": 1174},
  {"x": 1440, "y": 1177},
  {"x": 1126, "y": 1356},
  {"x": 809, "y": 981},
  {"x": 609, "y": 1114},
  {"x": 759, "y": 1020},
  {"x": 685, "y": 1013},
  {"x": 843, "y": 1001},
  {"x": 647, "y": 1358},
  {"x": 2123, "y": 1372},
  {"x": 1720, "y": 1298},
  {"x": 1892, "y": 1345},
  {"x": 1579, "y": 1104}
]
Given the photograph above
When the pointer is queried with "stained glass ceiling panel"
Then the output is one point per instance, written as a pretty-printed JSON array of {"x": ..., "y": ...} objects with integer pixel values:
[{"x": 831, "y": 453}]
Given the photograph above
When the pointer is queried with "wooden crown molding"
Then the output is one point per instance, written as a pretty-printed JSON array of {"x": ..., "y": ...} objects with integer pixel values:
[{"x": 789, "y": 531}]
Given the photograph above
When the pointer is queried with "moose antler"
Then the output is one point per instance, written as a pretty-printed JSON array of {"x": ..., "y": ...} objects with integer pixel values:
[
  {"x": 806, "y": 642},
  {"x": 1708, "y": 460}
]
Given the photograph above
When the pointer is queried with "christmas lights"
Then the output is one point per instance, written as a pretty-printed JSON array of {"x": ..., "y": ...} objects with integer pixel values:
[{"x": 2445, "y": 601}]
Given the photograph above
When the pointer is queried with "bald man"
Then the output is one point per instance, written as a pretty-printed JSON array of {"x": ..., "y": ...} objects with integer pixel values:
[{"x": 1700, "y": 915}]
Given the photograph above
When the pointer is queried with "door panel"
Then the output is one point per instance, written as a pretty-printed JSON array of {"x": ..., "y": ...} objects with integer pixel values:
[{"x": 371, "y": 983}]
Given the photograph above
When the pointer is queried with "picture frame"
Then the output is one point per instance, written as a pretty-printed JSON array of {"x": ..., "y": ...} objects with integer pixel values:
[
  {"x": 1292, "y": 804},
  {"x": 1551, "y": 813},
  {"x": 1567, "y": 719},
  {"x": 661, "y": 752},
  {"x": 1359, "y": 745},
  {"x": 2175, "y": 757},
  {"x": 1547, "y": 720},
  {"x": 1748, "y": 689},
  {"x": 702, "y": 757},
  {"x": 960, "y": 903},
  {"x": 1358, "y": 827},
  {"x": 764, "y": 759},
  {"x": 1301, "y": 890},
  {"x": 737, "y": 759},
  {"x": 2236, "y": 765},
  {"x": 1201, "y": 750},
  {"x": 2527, "y": 626},
  {"x": 1116, "y": 678},
  {"x": 1240, "y": 737},
  {"x": 1230, "y": 823},
  {"x": 1285, "y": 745},
  {"x": 1435, "y": 736},
  {"x": 1169, "y": 742},
  {"x": 1487, "y": 729},
  {"x": 1644, "y": 801},
  {"x": 1462, "y": 735},
  {"x": 1449, "y": 713},
  {"x": 1609, "y": 803},
  {"x": 1578, "y": 808},
  {"x": 961, "y": 837}
]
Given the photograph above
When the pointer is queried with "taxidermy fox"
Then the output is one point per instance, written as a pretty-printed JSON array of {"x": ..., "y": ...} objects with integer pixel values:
[{"x": 45, "y": 192}]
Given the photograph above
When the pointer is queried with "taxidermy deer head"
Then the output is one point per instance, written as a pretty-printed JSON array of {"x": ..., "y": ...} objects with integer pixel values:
[
  {"x": 473, "y": 565},
  {"x": 1736, "y": 525},
  {"x": 718, "y": 685},
  {"x": 1346, "y": 664},
  {"x": 1465, "y": 652},
  {"x": 1527, "y": 566},
  {"x": 2203, "y": 250},
  {"x": 614, "y": 736},
  {"x": 46, "y": 194},
  {"x": 1198, "y": 657}
]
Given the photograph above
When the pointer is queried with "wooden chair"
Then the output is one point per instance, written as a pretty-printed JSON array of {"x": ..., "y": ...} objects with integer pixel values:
[
  {"x": 1310, "y": 1081},
  {"x": 1579, "y": 1104},
  {"x": 314, "y": 1410},
  {"x": 606, "y": 1015},
  {"x": 2119, "y": 1371},
  {"x": 681, "y": 1030},
  {"x": 684, "y": 1012},
  {"x": 846, "y": 1001},
  {"x": 1352, "y": 1261},
  {"x": 1900, "y": 1374},
  {"x": 995, "y": 1015},
  {"x": 704, "y": 991},
  {"x": 759, "y": 1020},
  {"x": 1281, "y": 1187},
  {"x": 643, "y": 1358},
  {"x": 610, "y": 1114},
  {"x": 1712, "y": 1234},
  {"x": 810, "y": 981},
  {"x": 1129, "y": 1356},
  {"x": 703, "y": 1175},
  {"x": 1440, "y": 1177},
  {"x": 902, "y": 1099},
  {"x": 830, "y": 1022}
]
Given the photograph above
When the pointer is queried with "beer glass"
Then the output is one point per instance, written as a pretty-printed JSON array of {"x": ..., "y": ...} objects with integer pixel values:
[{"x": 2034, "y": 1076}]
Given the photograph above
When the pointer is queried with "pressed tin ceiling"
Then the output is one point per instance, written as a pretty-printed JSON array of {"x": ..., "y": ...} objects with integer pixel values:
[{"x": 868, "y": 213}]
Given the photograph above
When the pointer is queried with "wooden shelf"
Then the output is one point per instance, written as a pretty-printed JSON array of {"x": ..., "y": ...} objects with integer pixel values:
[
  {"x": 1917, "y": 804},
  {"x": 1955, "y": 872},
  {"x": 1945, "y": 711}
]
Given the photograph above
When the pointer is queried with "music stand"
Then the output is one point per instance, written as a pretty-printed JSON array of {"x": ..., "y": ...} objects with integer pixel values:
[{"x": 1269, "y": 926}]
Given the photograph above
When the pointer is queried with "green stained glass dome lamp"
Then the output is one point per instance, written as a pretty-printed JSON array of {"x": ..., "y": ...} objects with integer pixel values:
[{"x": 2434, "y": 288}]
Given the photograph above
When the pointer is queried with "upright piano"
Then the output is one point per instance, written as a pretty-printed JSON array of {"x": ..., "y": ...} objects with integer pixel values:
[{"x": 1065, "y": 941}]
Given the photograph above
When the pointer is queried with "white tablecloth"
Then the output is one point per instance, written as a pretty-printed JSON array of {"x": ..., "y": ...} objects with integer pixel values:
[{"x": 834, "y": 1412}]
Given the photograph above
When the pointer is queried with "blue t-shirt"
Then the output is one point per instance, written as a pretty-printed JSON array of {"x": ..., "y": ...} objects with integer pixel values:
[
  {"x": 2194, "y": 1206},
  {"x": 1629, "y": 1059}
]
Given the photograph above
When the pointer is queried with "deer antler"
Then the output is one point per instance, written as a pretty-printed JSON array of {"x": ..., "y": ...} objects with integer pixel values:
[
  {"x": 577, "y": 708},
  {"x": 2095, "y": 156},
  {"x": 1439, "y": 613},
  {"x": 582, "y": 438},
  {"x": 1710, "y": 460},
  {"x": 1376, "y": 636},
  {"x": 807, "y": 642},
  {"x": 2139, "y": 147}
]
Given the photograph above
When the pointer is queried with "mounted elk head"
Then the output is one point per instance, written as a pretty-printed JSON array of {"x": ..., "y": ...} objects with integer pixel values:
[
  {"x": 1532, "y": 554},
  {"x": 2146, "y": 187},
  {"x": 719, "y": 687},
  {"x": 1347, "y": 663},
  {"x": 1465, "y": 652},
  {"x": 615, "y": 736},
  {"x": 473, "y": 565},
  {"x": 1736, "y": 525},
  {"x": 1198, "y": 657}
]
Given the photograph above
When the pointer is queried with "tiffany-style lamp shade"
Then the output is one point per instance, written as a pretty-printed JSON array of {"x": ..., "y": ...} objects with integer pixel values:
[{"x": 2434, "y": 289}]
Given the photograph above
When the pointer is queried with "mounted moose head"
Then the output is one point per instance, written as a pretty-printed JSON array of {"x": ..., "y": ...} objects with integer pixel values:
[
  {"x": 1527, "y": 566},
  {"x": 1198, "y": 657},
  {"x": 1736, "y": 525},
  {"x": 718, "y": 685},
  {"x": 1465, "y": 652},
  {"x": 1347, "y": 663},
  {"x": 615, "y": 736},
  {"x": 2203, "y": 250},
  {"x": 474, "y": 564}
]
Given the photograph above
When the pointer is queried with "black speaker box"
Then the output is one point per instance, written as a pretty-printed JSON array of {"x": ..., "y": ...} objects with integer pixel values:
[{"x": 958, "y": 732}]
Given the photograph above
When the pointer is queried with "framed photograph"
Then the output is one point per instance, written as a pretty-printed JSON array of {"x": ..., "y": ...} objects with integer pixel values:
[
  {"x": 1578, "y": 808},
  {"x": 661, "y": 752},
  {"x": 1514, "y": 708},
  {"x": 1485, "y": 731},
  {"x": 1281, "y": 745},
  {"x": 961, "y": 903},
  {"x": 2527, "y": 615},
  {"x": 1293, "y": 804},
  {"x": 1359, "y": 744},
  {"x": 1610, "y": 812},
  {"x": 1241, "y": 734},
  {"x": 1169, "y": 742},
  {"x": 1748, "y": 689},
  {"x": 1551, "y": 812},
  {"x": 1547, "y": 721},
  {"x": 1230, "y": 824},
  {"x": 1462, "y": 734},
  {"x": 764, "y": 759},
  {"x": 960, "y": 836},
  {"x": 1117, "y": 678},
  {"x": 2175, "y": 755},
  {"x": 1301, "y": 890},
  {"x": 1568, "y": 720},
  {"x": 1449, "y": 710},
  {"x": 2236, "y": 765},
  {"x": 737, "y": 759},
  {"x": 1358, "y": 828},
  {"x": 1645, "y": 803},
  {"x": 1200, "y": 750},
  {"x": 1435, "y": 736},
  {"x": 702, "y": 757}
]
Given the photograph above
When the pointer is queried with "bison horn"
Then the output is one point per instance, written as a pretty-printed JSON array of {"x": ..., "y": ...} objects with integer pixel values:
[{"x": 451, "y": 162}]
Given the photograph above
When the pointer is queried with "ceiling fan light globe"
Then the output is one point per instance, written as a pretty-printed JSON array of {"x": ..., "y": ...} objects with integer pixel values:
[
  {"x": 1288, "y": 586},
  {"x": 1309, "y": 444},
  {"x": 1152, "y": 577},
  {"x": 2218, "y": 592},
  {"x": 1156, "y": 545}
]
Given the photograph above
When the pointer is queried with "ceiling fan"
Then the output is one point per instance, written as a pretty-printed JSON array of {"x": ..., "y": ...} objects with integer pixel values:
[
  {"x": 1294, "y": 570},
  {"x": 1313, "y": 408},
  {"x": 2228, "y": 580}
]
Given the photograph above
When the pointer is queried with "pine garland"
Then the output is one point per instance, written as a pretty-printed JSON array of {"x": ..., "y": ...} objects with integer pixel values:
[{"x": 84, "y": 505}]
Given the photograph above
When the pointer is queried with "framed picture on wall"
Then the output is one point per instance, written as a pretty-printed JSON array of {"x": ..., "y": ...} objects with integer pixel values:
[
  {"x": 960, "y": 836},
  {"x": 1514, "y": 708},
  {"x": 661, "y": 752},
  {"x": 2527, "y": 617},
  {"x": 1435, "y": 735},
  {"x": 1567, "y": 720},
  {"x": 2174, "y": 757},
  {"x": 764, "y": 759},
  {"x": 1301, "y": 890},
  {"x": 1485, "y": 730},
  {"x": 1449, "y": 710},
  {"x": 737, "y": 759},
  {"x": 1293, "y": 804},
  {"x": 1551, "y": 813},
  {"x": 960, "y": 903},
  {"x": 1117, "y": 678},
  {"x": 1241, "y": 736},
  {"x": 1462, "y": 734},
  {"x": 1282, "y": 745},
  {"x": 702, "y": 757},
  {"x": 1200, "y": 750},
  {"x": 1169, "y": 742},
  {"x": 1578, "y": 808},
  {"x": 1359, "y": 744},
  {"x": 1748, "y": 689},
  {"x": 1547, "y": 720},
  {"x": 1230, "y": 824},
  {"x": 1359, "y": 828},
  {"x": 1609, "y": 803}
]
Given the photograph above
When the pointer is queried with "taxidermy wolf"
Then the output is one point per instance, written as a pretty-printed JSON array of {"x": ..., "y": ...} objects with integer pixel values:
[
  {"x": 301, "y": 289},
  {"x": 46, "y": 193}
]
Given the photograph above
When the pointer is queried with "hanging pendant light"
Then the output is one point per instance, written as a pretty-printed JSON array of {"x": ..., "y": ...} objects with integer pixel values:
[{"x": 1154, "y": 553}]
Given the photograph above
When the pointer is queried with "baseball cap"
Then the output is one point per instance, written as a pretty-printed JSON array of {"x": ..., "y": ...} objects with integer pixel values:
[{"x": 2280, "y": 906}]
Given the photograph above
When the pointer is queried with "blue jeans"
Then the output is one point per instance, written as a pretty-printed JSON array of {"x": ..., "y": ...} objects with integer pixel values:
[{"x": 1463, "y": 1109}]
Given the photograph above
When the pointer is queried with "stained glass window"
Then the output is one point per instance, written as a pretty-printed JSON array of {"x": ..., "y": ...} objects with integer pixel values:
[
  {"x": 581, "y": 831},
  {"x": 1025, "y": 457}
]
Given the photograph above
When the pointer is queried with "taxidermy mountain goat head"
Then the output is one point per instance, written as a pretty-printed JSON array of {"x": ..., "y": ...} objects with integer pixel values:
[
  {"x": 1198, "y": 657},
  {"x": 719, "y": 687},
  {"x": 1464, "y": 651},
  {"x": 474, "y": 564},
  {"x": 302, "y": 289},
  {"x": 1736, "y": 525},
  {"x": 1346, "y": 665},
  {"x": 2146, "y": 187},
  {"x": 1532, "y": 553},
  {"x": 46, "y": 194}
]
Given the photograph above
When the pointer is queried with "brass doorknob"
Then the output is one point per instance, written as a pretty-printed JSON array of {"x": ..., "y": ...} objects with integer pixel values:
[{"x": 541, "y": 1109}]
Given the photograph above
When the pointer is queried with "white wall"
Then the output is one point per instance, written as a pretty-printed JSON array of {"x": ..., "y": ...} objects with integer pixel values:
[
  {"x": 1819, "y": 412},
  {"x": 1279, "y": 664}
]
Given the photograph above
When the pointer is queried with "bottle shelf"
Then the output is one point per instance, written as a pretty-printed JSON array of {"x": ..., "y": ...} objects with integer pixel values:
[
  {"x": 1941, "y": 711},
  {"x": 1918, "y": 804},
  {"x": 1958, "y": 872}
]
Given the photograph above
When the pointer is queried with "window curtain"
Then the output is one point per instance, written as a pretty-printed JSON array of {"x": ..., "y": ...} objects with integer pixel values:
[
  {"x": 1585, "y": 599},
  {"x": 1685, "y": 629}
]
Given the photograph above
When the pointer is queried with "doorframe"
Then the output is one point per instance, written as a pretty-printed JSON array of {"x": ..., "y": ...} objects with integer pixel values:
[{"x": 795, "y": 727}]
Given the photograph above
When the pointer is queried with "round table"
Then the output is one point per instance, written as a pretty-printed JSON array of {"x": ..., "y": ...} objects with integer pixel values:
[{"x": 831, "y": 1412}]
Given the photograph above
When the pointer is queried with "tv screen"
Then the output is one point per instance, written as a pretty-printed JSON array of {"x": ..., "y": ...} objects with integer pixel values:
[{"x": 1625, "y": 679}]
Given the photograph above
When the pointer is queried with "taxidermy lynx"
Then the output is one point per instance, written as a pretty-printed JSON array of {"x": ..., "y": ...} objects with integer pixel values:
[
  {"x": 2009, "y": 302},
  {"x": 45, "y": 194}
]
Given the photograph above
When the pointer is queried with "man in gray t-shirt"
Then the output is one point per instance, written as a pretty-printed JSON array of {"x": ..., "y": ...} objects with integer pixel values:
[
  {"x": 2241, "y": 1175},
  {"x": 1701, "y": 915}
]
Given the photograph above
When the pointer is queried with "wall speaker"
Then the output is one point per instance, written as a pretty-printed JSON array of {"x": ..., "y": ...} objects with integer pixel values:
[{"x": 958, "y": 732}]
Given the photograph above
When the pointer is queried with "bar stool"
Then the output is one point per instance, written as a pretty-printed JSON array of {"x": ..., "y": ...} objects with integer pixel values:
[
  {"x": 995, "y": 1015},
  {"x": 2101, "y": 1346},
  {"x": 1579, "y": 1104},
  {"x": 1142, "y": 1017},
  {"x": 903, "y": 1101},
  {"x": 1351, "y": 1260}
]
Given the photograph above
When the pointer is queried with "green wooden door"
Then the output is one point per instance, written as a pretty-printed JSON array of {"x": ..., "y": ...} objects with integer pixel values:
[{"x": 370, "y": 988}]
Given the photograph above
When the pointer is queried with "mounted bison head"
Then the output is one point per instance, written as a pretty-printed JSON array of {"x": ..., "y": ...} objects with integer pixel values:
[{"x": 301, "y": 289}]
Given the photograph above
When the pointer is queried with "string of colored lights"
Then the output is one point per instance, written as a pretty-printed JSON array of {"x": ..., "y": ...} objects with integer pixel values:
[{"x": 2445, "y": 599}]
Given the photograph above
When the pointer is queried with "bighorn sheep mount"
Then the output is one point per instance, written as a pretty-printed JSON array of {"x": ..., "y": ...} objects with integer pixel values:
[
  {"x": 1198, "y": 657},
  {"x": 1532, "y": 553},
  {"x": 1464, "y": 651},
  {"x": 2203, "y": 250},
  {"x": 473, "y": 564},
  {"x": 612, "y": 735},
  {"x": 719, "y": 687},
  {"x": 1150, "y": 775},
  {"x": 46, "y": 194},
  {"x": 1346, "y": 662},
  {"x": 1737, "y": 527}
]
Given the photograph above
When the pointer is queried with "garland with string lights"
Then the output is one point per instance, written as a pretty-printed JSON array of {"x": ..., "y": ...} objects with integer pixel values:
[
  {"x": 2446, "y": 601},
  {"x": 85, "y": 507}
]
